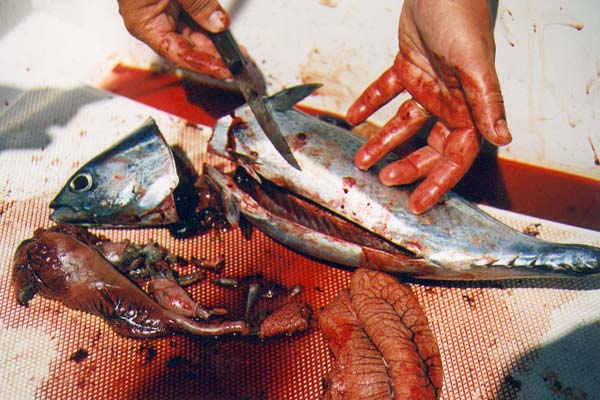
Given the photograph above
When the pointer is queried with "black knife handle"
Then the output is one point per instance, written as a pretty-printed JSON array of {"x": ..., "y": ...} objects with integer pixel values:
[{"x": 229, "y": 51}]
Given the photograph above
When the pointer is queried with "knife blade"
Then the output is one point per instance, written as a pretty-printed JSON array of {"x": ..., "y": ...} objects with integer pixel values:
[{"x": 238, "y": 66}]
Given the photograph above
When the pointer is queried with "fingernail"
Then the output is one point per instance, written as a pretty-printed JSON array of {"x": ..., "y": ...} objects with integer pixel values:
[
  {"x": 424, "y": 197},
  {"x": 355, "y": 114},
  {"x": 362, "y": 160},
  {"x": 416, "y": 206},
  {"x": 502, "y": 131},
  {"x": 217, "y": 21}
]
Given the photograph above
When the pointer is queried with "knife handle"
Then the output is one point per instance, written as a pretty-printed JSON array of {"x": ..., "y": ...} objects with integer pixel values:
[{"x": 229, "y": 51}]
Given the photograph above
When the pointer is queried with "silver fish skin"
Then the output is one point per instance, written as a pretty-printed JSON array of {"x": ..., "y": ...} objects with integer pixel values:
[
  {"x": 453, "y": 240},
  {"x": 129, "y": 184}
]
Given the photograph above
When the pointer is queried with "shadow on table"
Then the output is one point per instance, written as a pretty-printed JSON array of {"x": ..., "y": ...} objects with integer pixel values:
[
  {"x": 566, "y": 368},
  {"x": 24, "y": 123}
]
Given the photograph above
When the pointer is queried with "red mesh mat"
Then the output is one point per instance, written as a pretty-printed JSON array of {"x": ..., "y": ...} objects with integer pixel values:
[
  {"x": 88, "y": 360},
  {"x": 505, "y": 340}
]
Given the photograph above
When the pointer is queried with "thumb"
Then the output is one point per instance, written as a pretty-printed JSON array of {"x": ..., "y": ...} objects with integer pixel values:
[
  {"x": 207, "y": 13},
  {"x": 483, "y": 93}
]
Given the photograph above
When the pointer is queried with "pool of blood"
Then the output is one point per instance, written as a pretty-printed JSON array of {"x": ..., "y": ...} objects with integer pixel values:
[{"x": 498, "y": 182}]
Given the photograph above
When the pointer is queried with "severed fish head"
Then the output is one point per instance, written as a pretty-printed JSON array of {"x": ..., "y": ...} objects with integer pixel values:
[{"x": 130, "y": 184}]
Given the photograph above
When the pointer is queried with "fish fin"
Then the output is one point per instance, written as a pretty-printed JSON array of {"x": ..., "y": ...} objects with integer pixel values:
[
  {"x": 232, "y": 211},
  {"x": 286, "y": 99},
  {"x": 222, "y": 183},
  {"x": 149, "y": 123},
  {"x": 252, "y": 172},
  {"x": 564, "y": 258}
]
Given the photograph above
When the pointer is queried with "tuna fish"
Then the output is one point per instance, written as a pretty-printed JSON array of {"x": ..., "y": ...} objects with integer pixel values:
[
  {"x": 334, "y": 211},
  {"x": 454, "y": 240}
]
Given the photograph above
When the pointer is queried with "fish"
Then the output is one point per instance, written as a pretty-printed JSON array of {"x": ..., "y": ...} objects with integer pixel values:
[
  {"x": 335, "y": 212},
  {"x": 453, "y": 240}
]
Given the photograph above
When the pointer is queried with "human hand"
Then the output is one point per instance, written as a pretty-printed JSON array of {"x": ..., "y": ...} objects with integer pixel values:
[
  {"x": 170, "y": 29},
  {"x": 446, "y": 63}
]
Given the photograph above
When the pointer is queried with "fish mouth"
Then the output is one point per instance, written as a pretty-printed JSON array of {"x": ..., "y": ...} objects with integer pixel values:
[{"x": 69, "y": 214}]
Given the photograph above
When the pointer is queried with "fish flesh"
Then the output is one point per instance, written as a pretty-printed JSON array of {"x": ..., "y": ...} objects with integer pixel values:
[
  {"x": 453, "y": 240},
  {"x": 332, "y": 210}
]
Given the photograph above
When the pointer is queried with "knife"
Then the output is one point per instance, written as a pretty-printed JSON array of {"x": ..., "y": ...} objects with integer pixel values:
[{"x": 237, "y": 65}]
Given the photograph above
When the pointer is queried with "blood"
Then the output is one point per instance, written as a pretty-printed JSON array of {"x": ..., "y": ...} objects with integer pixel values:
[
  {"x": 197, "y": 102},
  {"x": 505, "y": 184},
  {"x": 348, "y": 183},
  {"x": 298, "y": 141},
  {"x": 532, "y": 190},
  {"x": 236, "y": 123}
]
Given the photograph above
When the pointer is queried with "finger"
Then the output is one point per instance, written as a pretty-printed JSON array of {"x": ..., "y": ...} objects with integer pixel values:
[
  {"x": 414, "y": 166},
  {"x": 375, "y": 96},
  {"x": 408, "y": 120},
  {"x": 417, "y": 164},
  {"x": 207, "y": 13},
  {"x": 482, "y": 90},
  {"x": 200, "y": 41},
  {"x": 461, "y": 149},
  {"x": 156, "y": 24},
  {"x": 142, "y": 17},
  {"x": 182, "y": 52},
  {"x": 437, "y": 137}
]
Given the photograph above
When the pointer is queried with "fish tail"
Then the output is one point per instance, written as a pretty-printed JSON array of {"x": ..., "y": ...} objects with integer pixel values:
[{"x": 553, "y": 259}]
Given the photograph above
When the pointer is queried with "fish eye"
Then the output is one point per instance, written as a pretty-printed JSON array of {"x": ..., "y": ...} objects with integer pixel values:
[{"x": 81, "y": 182}]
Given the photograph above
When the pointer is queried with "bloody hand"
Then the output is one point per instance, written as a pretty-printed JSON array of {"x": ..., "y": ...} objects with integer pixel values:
[
  {"x": 169, "y": 28},
  {"x": 446, "y": 63}
]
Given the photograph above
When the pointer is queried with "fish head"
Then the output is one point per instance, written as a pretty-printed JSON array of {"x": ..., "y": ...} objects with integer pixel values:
[{"x": 130, "y": 184}]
